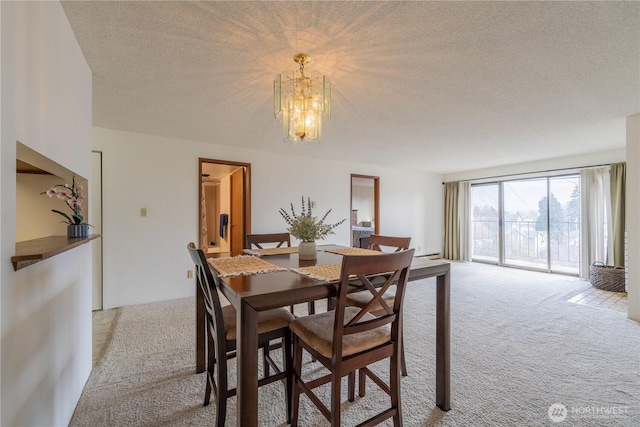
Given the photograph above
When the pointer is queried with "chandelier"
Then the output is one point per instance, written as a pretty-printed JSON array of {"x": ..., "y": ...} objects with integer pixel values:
[{"x": 301, "y": 101}]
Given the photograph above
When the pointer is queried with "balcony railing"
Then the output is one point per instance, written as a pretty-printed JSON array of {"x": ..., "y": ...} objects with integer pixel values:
[{"x": 525, "y": 245}]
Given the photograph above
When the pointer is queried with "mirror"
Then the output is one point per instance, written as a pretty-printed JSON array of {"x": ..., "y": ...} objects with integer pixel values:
[{"x": 365, "y": 192}]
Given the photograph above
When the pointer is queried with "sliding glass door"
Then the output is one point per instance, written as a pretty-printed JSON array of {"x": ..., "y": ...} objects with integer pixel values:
[
  {"x": 564, "y": 226},
  {"x": 485, "y": 223},
  {"x": 525, "y": 223},
  {"x": 530, "y": 223}
]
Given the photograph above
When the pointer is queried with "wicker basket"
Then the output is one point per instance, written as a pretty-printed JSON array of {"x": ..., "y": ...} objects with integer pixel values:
[{"x": 607, "y": 277}]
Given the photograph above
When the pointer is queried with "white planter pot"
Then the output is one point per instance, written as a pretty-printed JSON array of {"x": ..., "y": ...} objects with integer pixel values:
[{"x": 307, "y": 251}]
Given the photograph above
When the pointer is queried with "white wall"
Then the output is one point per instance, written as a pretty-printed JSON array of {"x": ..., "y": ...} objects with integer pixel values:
[
  {"x": 145, "y": 258},
  {"x": 589, "y": 159},
  {"x": 34, "y": 218},
  {"x": 45, "y": 308},
  {"x": 632, "y": 217}
]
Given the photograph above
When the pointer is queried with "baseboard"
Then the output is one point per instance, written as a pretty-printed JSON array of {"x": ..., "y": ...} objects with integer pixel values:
[{"x": 434, "y": 255}]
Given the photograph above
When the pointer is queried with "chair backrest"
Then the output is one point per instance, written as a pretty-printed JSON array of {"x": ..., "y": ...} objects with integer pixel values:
[
  {"x": 360, "y": 270},
  {"x": 257, "y": 240},
  {"x": 377, "y": 243},
  {"x": 209, "y": 283}
]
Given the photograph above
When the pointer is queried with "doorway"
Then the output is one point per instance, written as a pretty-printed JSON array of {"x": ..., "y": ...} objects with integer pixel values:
[
  {"x": 224, "y": 206},
  {"x": 365, "y": 194}
]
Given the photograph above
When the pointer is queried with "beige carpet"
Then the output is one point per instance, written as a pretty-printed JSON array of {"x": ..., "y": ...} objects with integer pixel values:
[{"x": 518, "y": 347}]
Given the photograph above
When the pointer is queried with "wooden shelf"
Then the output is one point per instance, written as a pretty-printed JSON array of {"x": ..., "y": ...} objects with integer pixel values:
[{"x": 32, "y": 251}]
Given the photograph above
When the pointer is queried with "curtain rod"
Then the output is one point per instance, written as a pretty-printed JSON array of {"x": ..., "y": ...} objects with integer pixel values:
[{"x": 534, "y": 172}]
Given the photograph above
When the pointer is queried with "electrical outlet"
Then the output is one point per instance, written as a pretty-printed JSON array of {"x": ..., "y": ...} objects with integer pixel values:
[
  {"x": 313, "y": 204},
  {"x": 418, "y": 249},
  {"x": 143, "y": 211},
  {"x": 189, "y": 274}
]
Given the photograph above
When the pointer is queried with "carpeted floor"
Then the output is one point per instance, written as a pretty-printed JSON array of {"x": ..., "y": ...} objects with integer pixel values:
[{"x": 518, "y": 347}]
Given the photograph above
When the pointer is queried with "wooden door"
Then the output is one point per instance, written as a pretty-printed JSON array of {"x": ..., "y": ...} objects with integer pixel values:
[{"x": 237, "y": 214}]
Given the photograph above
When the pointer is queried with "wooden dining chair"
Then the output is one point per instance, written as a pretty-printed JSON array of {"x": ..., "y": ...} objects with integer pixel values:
[
  {"x": 351, "y": 338},
  {"x": 221, "y": 340},
  {"x": 360, "y": 299},
  {"x": 280, "y": 240},
  {"x": 388, "y": 243}
]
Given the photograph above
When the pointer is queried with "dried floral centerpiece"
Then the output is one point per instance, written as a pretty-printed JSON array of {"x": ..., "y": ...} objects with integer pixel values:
[{"x": 308, "y": 228}]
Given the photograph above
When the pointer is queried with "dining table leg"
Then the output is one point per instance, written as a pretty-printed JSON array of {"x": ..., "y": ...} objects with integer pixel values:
[
  {"x": 443, "y": 349},
  {"x": 247, "y": 356}
]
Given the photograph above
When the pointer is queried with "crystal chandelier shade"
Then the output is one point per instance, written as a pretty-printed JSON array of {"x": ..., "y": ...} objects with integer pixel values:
[{"x": 302, "y": 100}]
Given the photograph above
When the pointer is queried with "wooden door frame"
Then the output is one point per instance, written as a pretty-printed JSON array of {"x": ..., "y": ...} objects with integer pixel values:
[
  {"x": 96, "y": 207},
  {"x": 247, "y": 191},
  {"x": 376, "y": 201}
]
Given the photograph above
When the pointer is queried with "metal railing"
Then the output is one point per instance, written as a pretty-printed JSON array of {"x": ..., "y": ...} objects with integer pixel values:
[{"x": 524, "y": 244}]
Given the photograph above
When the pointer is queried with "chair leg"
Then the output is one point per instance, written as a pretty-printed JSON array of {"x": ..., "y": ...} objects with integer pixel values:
[
  {"x": 331, "y": 304},
  {"x": 211, "y": 365},
  {"x": 221, "y": 410},
  {"x": 221, "y": 395},
  {"x": 288, "y": 368},
  {"x": 351, "y": 388},
  {"x": 207, "y": 391},
  {"x": 362, "y": 381},
  {"x": 265, "y": 364},
  {"x": 311, "y": 307},
  {"x": 336, "y": 382},
  {"x": 403, "y": 362},
  {"x": 295, "y": 389},
  {"x": 394, "y": 384}
]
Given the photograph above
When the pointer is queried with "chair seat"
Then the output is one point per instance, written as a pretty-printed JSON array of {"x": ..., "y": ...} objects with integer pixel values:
[
  {"x": 317, "y": 332},
  {"x": 268, "y": 321},
  {"x": 360, "y": 299}
]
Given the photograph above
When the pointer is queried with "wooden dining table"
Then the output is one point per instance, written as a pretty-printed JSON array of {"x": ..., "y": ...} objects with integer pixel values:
[{"x": 251, "y": 294}]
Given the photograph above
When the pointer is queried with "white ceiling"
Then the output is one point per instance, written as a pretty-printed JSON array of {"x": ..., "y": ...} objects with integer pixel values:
[
  {"x": 437, "y": 86},
  {"x": 215, "y": 171}
]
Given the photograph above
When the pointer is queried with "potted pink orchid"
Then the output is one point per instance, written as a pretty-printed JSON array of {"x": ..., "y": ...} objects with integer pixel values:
[{"x": 73, "y": 197}]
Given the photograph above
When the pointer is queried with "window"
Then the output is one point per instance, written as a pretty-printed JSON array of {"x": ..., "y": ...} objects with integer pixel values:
[{"x": 531, "y": 223}]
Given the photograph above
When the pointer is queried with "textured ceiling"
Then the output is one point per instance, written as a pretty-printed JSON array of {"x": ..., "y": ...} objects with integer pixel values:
[{"x": 437, "y": 86}]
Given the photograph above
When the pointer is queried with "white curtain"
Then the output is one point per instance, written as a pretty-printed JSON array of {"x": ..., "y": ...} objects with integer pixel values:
[
  {"x": 595, "y": 227},
  {"x": 464, "y": 219}
]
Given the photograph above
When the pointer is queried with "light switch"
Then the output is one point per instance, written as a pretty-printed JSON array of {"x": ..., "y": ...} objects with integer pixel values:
[
  {"x": 143, "y": 211},
  {"x": 313, "y": 204}
]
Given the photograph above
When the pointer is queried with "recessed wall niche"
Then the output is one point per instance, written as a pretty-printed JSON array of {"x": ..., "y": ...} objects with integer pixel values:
[
  {"x": 41, "y": 233},
  {"x": 36, "y": 173}
]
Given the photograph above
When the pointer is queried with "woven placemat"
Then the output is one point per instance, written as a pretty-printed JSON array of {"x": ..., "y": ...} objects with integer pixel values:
[
  {"x": 272, "y": 251},
  {"x": 242, "y": 265},
  {"x": 328, "y": 272},
  {"x": 353, "y": 251}
]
